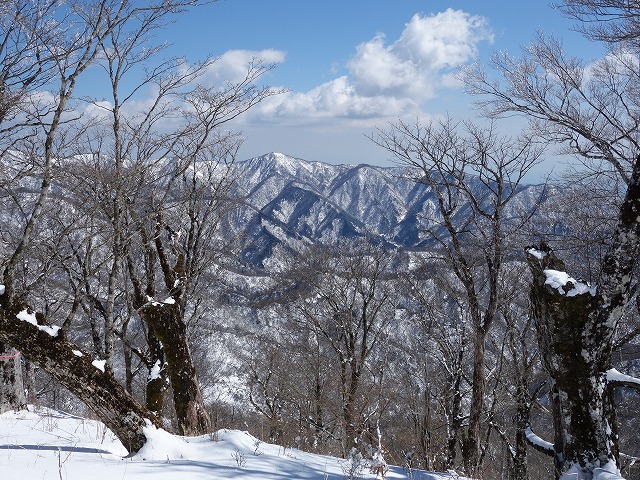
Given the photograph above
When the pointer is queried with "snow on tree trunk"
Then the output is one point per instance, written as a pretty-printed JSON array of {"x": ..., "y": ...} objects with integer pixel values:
[
  {"x": 576, "y": 324},
  {"x": 74, "y": 369},
  {"x": 576, "y": 352},
  {"x": 157, "y": 378},
  {"x": 169, "y": 327}
]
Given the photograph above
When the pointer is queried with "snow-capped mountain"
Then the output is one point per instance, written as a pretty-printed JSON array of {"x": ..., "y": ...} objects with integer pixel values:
[{"x": 286, "y": 201}]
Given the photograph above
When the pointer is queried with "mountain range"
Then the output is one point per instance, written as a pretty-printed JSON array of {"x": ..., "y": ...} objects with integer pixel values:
[{"x": 287, "y": 201}]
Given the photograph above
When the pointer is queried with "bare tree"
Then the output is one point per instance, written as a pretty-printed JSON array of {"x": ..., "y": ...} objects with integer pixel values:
[
  {"x": 439, "y": 344},
  {"x": 63, "y": 48},
  {"x": 186, "y": 213},
  {"x": 473, "y": 174},
  {"x": 346, "y": 305},
  {"x": 115, "y": 34},
  {"x": 27, "y": 59},
  {"x": 615, "y": 22},
  {"x": 589, "y": 112}
]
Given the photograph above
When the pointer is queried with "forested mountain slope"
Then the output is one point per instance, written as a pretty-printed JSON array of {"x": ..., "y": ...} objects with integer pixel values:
[{"x": 285, "y": 200}]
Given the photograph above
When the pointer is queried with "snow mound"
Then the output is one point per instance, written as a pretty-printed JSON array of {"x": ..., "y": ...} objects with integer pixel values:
[
  {"x": 161, "y": 445},
  {"x": 44, "y": 443},
  {"x": 607, "y": 472}
]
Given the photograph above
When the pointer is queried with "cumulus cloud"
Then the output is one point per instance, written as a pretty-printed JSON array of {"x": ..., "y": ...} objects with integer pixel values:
[
  {"x": 336, "y": 98},
  {"x": 391, "y": 79},
  {"x": 416, "y": 64}
]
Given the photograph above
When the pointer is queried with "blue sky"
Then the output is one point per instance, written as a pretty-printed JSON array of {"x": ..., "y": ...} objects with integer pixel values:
[{"x": 354, "y": 65}]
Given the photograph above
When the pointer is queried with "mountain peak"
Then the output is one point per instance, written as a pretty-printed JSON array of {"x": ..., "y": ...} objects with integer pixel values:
[
  {"x": 283, "y": 164},
  {"x": 273, "y": 160}
]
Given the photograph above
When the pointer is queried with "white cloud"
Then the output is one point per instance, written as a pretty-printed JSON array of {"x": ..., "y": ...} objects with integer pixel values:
[
  {"x": 388, "y": 80},
  {"x": 232, "y": 65},
  {"x": 449, "y": 38},
  {"x": 378, "y": 69},
  {"x": 415, "y": 65},
  {"x": 336, "y": 98}
]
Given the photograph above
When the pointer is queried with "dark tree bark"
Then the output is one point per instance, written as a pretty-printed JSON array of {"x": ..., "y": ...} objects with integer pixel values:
[
  {"x": 12, "y": 396},
  {"x": 167, "y": 336},
  {"x": 523, "y": 408},
  {"x": 576, "y": 328},
  {"x": 576, "y": 353},
  {"x": 74, "y": 370},
  {"x": 156, "y": 383},
  {"x": 168, "y": 324}
]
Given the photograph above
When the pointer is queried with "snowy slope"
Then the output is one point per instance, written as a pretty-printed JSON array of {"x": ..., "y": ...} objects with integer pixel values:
[{"x": 48, "y": 444}]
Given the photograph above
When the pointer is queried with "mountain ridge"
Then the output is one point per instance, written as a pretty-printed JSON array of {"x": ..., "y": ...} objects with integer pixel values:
[{"x": 288, "y": 200}]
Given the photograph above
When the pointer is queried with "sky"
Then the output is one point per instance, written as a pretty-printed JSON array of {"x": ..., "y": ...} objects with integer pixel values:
[{"x": 351, "y": 66}]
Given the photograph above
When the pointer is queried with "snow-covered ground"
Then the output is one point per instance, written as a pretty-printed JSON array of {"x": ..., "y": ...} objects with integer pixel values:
[{"x": 47, "y": 444}]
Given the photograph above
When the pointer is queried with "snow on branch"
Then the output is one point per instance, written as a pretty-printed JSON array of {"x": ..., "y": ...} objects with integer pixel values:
[
  {"x": 155, "y": 303},
  {"x": 617, "y": 379},
  {"x": 99, "y": 364},
  {"x": 539, "y": 254},
  {"x": 561, "y": 280},
  {"x": 538, "y": 443},
  {"x": 503, "y": 436},
  {"x": 30, "y": 317}
]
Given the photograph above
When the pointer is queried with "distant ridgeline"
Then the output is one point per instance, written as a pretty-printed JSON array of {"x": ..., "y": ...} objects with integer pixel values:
[{"x": 287, "y": 202}]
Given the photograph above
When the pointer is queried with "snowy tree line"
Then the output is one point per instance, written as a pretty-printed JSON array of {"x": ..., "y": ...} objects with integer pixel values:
[{"x": 119, "y": 283}]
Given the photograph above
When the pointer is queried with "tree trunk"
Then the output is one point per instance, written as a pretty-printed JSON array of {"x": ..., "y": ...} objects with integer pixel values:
[
  {"x": 471, "y": 444},
  {"x": 12, "y": 396},
  {"x": 352, "y": 422},
  {"x": 424, "y": 429},
  {"x": 454, "y": 413},
  {"x": 576, "y": 352},
  {"x": 167, "y": 323},
  {"x": 73, "y": 369},
  {"x": 157, "y": 378},
  {"x": 520, "y": 471},
  {"x": 30, "y": 381}
]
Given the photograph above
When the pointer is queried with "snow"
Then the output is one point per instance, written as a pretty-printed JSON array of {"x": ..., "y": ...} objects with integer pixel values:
[
  {"x": 614, "y": 375},
  {"x": 536, "y": 440},
  {"x": 155, "y": 371},
  {"x": 43, "y": 443},
  {"x": 77, "y": 353},
  {"x": 25, "y": 316},
  {"x": 99, "y": 364},
  {"x": 558, "y": 280},
  {"x": 539, "y": 254},
  {"x": 168, "y": 301},
  {"x": 1, "y": 289},
  {"x": 608, "y": 472}
]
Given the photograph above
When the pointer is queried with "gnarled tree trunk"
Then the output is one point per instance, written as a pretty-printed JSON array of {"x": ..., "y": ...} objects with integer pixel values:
[
  {"x": 157, "y": 381},
  {"x": 576, "y": 352},
  {"x": 575, "y": 325},
  {"x": 50, "y": 350},
  {"x": 168, "y": 325}
]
